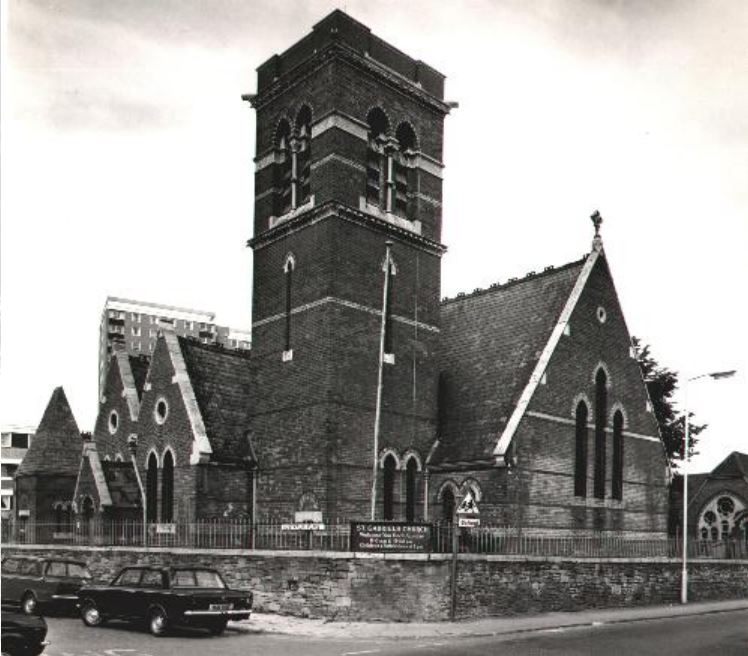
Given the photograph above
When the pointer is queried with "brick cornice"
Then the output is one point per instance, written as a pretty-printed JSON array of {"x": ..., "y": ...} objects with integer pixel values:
[
  {"x": 347, "y": 54},
  {"x": 333, "y": 209}
]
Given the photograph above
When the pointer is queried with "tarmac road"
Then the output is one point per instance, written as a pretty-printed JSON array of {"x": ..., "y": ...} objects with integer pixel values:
[{"x": 723, "y": 633}]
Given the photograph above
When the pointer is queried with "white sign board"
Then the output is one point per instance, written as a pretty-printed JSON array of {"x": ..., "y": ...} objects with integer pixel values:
[
  {"x": 468, "y": 522},
  {"x": 304, "y": 526},
  {"x": 168, "y": 529},
  {"x": 302, "y": 516}
]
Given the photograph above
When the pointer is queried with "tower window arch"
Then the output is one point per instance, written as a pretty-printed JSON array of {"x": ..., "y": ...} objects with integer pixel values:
[
  {"x": 389, "y": 467},
  {"x": 376, "y": 160},
  {"x": 580, "y": 450},
  {"x": 288, "y": 268},
  {"x": 151, "y": 488},
  {"x": 617, "y": 474},
  {"x": 167, "y": 488},
  {"x": 601, "y": 412}
]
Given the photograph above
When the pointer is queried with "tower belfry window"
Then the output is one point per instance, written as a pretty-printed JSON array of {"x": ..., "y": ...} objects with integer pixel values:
[
  {"x": 376, "y": 161},
  {"x": 406, "y": 142},
  {"x": 283, "y": 170},
  {"x": 302, "y": 154}
]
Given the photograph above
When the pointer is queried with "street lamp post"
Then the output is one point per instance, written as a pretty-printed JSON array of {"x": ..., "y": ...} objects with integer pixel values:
[
  {"x": 132, "y": 444},
  {"x": 686, "y": 460}
]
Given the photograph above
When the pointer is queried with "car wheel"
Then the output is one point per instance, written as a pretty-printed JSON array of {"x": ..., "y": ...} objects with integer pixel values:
[
  {"x": 217, "y": 627},
  {"x": 90, "y": 614},
  {"x": 157, "y": 622},
  {"x": 12, "y": 648},
  {"x": 29, "y": 604}
]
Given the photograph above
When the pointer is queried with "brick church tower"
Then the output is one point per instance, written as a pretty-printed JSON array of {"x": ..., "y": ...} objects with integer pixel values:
[{"x": 348, "y": 179}]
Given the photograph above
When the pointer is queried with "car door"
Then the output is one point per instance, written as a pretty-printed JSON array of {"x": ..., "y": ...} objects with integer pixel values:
[
  {"x": 151, "y": 591},
  {"x": 54, "y": 576},
  {"x": 11, "y": 586},
  {"x": 120, "y": 596}
]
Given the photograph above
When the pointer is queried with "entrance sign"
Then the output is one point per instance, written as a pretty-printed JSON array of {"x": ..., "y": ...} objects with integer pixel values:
[{"x": 390, "y": 537}]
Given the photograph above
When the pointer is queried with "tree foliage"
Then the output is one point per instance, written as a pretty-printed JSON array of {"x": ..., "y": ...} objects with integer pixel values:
[{"x": 662, "y": 384}]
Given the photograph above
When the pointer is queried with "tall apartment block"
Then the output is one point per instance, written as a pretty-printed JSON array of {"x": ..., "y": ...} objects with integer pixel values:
[{"x": 135, "y": 325}]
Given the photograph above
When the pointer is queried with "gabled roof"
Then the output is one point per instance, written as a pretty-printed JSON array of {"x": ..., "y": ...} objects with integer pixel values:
[
  {"x": 220, "y": 380},
  {"x": 139, "y": 366},
  {"x": 734, "y": 466},
  {"x": 492, "y": 341},
  {"x": 56, "y": 447},
  {"x": 121, "y": 483}
]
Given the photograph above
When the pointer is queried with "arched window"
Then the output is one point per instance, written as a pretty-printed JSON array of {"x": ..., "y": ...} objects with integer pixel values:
[
  {"x": 288, "y": 269},
  {"x": 448, "y": 505},
  {"x": 303, "y": 152},
  {"x": 167, "y": 488},
  {"x": 601, "y": 412},
  {"x": 376, "y": 162},
  {"x": 151, "y": 489},
  {"x": 406, "y": 141},
  {"x": 388, "y": 482},
  {"x": 283, "y": 166},
  {"x": 411, "y": 474},
  {"x": 617, "y": 475},
  {"x": 580, "y": 451}
]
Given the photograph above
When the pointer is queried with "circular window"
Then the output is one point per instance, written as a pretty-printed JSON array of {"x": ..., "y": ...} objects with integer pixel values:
[
  {"x": 725, "y": 506},
  {"x": 601, "y": 314},
  {"x": 161, "y": 411},
  {"x": 710, "y": 517},
  {"x": 113, "y": 421}
]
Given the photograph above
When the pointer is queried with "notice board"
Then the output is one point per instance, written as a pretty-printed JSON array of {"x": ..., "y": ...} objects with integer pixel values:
[{"x": 390, "y": 536}]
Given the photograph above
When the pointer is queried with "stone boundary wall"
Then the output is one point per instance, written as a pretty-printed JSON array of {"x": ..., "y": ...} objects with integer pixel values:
[{"x": 416, "y": 587}]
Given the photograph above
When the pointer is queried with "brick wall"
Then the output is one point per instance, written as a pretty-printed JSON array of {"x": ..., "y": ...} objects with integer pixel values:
[{"x": 417, "y": 588}]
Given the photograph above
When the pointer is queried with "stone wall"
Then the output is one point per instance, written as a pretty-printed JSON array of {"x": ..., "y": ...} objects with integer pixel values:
[{"x": 416, "y": 587}]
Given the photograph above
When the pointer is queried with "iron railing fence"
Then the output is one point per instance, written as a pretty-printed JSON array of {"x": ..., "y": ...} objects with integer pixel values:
[{"x": 226, "y": 533}]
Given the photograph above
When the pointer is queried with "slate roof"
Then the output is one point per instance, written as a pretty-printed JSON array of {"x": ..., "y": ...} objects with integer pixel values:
[
  {"x": 122, "y": 483},
  {"x": 221, "y": 382},
  {"x": 490, "y": 342},
  {"x": 139, "y": 365},
  {"x": 56, "y": 447},
  {"x": 734, "y": 466}
]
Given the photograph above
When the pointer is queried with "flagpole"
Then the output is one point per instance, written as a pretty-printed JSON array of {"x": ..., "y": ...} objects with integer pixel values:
[{"x": 378, "y": 408}]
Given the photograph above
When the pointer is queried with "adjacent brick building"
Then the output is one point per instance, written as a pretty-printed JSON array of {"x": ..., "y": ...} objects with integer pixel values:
[{"x": 527, "y": 394}]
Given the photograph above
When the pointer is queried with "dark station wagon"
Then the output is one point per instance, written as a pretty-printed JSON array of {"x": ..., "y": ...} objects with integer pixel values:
[
  {"x": 165, "y": 597},
  {"x": 40, "y": 584}
]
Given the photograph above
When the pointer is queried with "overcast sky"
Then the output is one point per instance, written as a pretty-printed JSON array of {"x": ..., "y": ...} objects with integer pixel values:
[{"x": 127, "y": 167}]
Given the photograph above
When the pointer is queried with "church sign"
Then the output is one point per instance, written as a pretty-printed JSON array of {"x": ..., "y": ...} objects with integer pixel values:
[{"x": 390, "y": 536}]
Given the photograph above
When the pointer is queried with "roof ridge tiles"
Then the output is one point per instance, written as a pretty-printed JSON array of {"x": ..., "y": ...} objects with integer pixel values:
[{"x": 511, "y": 282}]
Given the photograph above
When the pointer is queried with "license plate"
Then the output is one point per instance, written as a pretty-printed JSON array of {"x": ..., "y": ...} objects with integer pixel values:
[{"x": 221, "y": 606}]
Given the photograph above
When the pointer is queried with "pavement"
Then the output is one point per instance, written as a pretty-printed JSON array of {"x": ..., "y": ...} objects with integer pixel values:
[{"x": 320, "y": 628}]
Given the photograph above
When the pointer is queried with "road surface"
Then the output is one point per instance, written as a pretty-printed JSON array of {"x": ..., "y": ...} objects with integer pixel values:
[{"x": 724, "y": 633}]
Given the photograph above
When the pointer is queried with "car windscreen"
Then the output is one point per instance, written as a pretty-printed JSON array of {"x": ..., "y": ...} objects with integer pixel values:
[
  {"x": 78, "y": 571},
  {"x": 196, "y": 578}
]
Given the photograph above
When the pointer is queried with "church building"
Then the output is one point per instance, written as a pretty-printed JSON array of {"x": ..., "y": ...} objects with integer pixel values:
[{"x": 362, "y": 386}]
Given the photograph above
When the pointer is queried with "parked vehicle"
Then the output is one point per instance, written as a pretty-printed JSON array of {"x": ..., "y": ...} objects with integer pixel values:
[
  {"x": 41, "y": 584},
  {"x": 165, "y": 597},
  {"x": 22, "y": 635}
]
